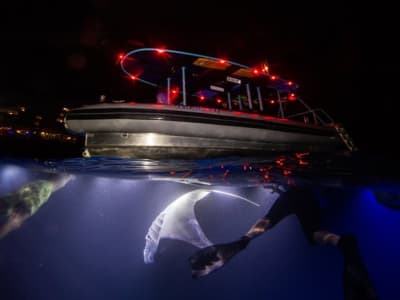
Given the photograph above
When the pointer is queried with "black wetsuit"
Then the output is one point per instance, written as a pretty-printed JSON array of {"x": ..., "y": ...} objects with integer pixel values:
[{"x": 304, "y": 203}]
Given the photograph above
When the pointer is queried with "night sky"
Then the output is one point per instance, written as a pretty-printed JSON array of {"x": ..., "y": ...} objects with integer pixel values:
[{"x": 65, "y": 52}]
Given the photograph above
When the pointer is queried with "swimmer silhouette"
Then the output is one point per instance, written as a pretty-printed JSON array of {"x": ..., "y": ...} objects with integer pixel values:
[{"x": 18, "y": 206}]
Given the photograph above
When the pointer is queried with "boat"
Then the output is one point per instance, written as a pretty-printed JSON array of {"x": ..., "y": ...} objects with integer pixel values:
[{"x": 198, "y": 106}]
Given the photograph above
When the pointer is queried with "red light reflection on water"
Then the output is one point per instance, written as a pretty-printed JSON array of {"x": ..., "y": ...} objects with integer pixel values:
[{"x": 283, "y": 169}]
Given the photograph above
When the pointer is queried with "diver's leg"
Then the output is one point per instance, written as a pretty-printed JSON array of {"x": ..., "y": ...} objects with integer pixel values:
[
  {"x": 306, "y": 206},
  {"x": 323, "y": 237},
  {"x": 356, "y": 280},
  {"x": 259, "y": 228},
  {"x": 357, "y": 284},
  {"x": 212, "y": 258},
  {"x": 13, "y": 222}
]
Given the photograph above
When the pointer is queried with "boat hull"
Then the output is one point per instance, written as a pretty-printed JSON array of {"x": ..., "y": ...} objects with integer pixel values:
[{"x": 154, "y": 131}]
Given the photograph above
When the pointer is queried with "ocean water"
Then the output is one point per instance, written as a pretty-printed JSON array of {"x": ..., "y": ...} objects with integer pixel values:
[{"x": 87, "y": 240}]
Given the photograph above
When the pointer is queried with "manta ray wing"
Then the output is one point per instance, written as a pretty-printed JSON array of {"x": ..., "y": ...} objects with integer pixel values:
[{"x": 177, "y": 221}]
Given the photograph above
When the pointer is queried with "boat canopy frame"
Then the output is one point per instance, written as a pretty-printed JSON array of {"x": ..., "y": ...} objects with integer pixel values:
[{"x": 236, "y": 87}]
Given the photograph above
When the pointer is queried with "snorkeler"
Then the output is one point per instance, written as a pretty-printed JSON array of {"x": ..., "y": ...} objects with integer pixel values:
[
  {"x": 18, "y": 206},
  {"x": 302, "y": 202}
]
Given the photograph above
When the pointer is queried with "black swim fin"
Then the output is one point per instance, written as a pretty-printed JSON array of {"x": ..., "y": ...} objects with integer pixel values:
[
  {"x": 356, "y": 282},
  {"x": 212, "y": 258}
]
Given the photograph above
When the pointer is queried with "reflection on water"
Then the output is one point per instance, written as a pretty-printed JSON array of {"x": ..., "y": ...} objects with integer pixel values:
[
  {"x": 250, "y": 171},
  {"x": 280, "y": 227}
]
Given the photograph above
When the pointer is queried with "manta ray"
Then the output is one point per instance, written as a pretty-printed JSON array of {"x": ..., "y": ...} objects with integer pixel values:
[{"x": 178, "y": 221}]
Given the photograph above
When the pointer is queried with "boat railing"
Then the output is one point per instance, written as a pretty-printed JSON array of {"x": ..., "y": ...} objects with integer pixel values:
[
  {"x": 313, "y": 116},
  {"x": 190, "y": 79}
]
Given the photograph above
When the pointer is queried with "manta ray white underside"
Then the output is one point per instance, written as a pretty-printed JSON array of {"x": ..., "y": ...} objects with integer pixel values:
[{"x": 178, "y": 221}]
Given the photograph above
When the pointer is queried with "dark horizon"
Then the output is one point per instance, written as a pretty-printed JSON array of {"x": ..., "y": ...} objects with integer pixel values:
[{"x": 66, "y": 54}]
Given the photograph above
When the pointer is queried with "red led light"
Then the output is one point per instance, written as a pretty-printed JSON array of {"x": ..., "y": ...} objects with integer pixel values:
[
  {"x": 133, "y": 77},
  {"x": 237, "y": 112},
  {"x": 219, "y": 100},
  {"x": 303, "y": 162},
  {"x": 255, "y": 71},
  {"x": 286, "y": 172},
  {"x": 272, "y": 101},
  {"x": 160, "y": 51},
  {"x": 273, "y": 77},
  {"x": 222, "y": 61},
  {"x": 292, "y": 97},
  {"x": 202, "y": 97},
  {"x": 290, "y": 83},
  {"x": 121, "y": 56}
]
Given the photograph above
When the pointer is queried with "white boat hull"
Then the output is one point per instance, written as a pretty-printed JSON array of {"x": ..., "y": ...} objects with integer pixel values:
[{"x": 149, "y": 131}]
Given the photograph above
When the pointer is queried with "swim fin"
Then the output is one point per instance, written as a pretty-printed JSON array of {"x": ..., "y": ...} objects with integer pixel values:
[
  {"x": 212, "y": 258},
  {"x": 356, "y": 281}
]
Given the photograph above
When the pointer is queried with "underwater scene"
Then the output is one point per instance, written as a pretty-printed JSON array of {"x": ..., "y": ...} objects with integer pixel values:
[{"x": 285, "y": 227}]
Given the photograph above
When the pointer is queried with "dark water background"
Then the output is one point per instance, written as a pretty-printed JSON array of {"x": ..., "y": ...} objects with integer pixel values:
[{"x": 87, "y": 241}]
